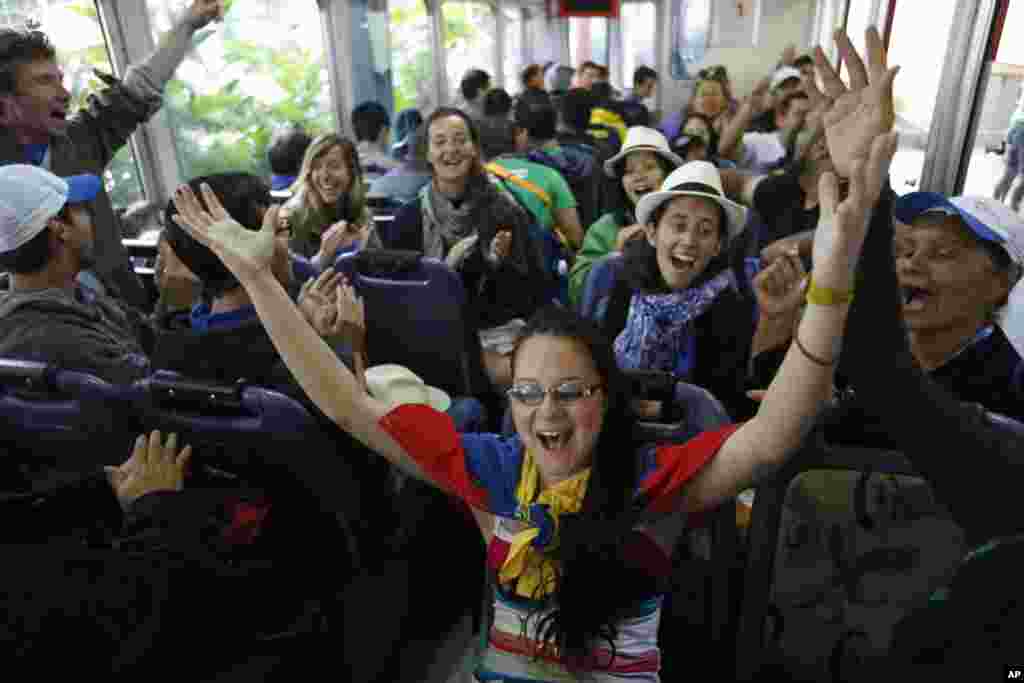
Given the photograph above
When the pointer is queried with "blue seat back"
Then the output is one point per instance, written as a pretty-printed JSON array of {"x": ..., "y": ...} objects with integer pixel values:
[
  {"x": 61, "y": 418},
  {"x": 257, "y": 435},
  {"x": 218, "y": 414},
  {"x": 597, "y": 288},
  {"x": 698, "y": 411},
  {"x": 302, "y": 269},
  {"x": 1007, "y": 423},
  {"x": 416, "y": 317}
]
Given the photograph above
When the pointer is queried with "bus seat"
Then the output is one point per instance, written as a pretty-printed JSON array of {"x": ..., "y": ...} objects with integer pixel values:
[
  {"x": 302, "y": 269},
  {"x": 253, "y": 434},
  {"x": 416, "y": 317},
  {"x": 62, "y": 419},
  {"x": 597, "y": 288},
  {"x": 843, "y": 543}
]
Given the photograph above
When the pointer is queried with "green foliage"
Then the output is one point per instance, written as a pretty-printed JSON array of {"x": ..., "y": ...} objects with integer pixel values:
[
  {"x": 229, "y": 130},
  {"x": 411, "y": 61}
]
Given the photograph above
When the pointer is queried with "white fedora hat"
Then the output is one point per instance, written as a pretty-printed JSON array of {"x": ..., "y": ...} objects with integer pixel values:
[
  {"x": 642, "y": 138},
  {"x": 694, "y": 179},
  {"x": 397, "y": 385}
]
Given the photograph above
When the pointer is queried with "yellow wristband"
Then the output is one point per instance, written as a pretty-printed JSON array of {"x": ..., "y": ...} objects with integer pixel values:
[{"x": 826, "y": 296}]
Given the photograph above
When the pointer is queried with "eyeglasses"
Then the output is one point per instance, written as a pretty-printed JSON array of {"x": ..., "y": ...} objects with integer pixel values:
[{"x": 532, "y": 393}]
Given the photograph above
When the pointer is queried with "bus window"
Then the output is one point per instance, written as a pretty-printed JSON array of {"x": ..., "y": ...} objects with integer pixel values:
[
  {"x": 638, "y": 40},
  {"x": 469, "y": 34},
  {"x": 588, "y": 40},
  {"x": 74, "y": 28},
  {"x": 412, "y": 59},
  {"x": 263, "y": 69},
  {"x": 917, "y": 84},
  {"x": 513, "y": 50},
  {"x": 996, "y": 159},
  {"x": 829, "y": 17}
]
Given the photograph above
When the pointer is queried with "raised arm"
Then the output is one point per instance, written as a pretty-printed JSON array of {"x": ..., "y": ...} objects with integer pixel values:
[
  {"x": 149, "y": 77},
  {"x": 730, "y": 144},
  {"x": 324, "y": 378},
  {"x": 804, "y": 382},
  {"x": 111, "y": 116}
]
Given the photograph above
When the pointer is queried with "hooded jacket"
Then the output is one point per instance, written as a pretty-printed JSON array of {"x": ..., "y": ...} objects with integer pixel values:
[{"x": 75, "y": 329}]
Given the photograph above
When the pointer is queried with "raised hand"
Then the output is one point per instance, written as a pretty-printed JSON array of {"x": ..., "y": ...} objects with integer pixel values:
[
  {"x": 501, "y": 246},
  {"x": 854, "y": 116},
  {"x": 153, "y": 466},
  {"x": 246, "y": 253},
  {"x": 626, "y": 234},
  {"x": 779, "y": 288},
  {"x": 348, "y": 322},
  {"x": 318, "y": 301},
  {"x": 351, "y": 318},
  {"x": 202, "y": 12},
  {"x": 339, "y": 236},
  {"x": 843, "y": 226}
]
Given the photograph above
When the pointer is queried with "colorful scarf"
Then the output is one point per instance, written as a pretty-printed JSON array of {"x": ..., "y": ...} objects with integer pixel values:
[
  {"x": 529, "y": 565},
  {"x": 658, "y": 327}
]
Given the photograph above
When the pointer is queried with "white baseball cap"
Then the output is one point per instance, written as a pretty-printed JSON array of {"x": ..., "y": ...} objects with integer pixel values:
[
  {"x": 30, "y": 196},
  {"x": 992, "y": 221},
  {"x": 782, "y": 75}
]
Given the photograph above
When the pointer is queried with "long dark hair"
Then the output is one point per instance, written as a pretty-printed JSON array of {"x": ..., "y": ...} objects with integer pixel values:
[{"x": 594, "y": 586}]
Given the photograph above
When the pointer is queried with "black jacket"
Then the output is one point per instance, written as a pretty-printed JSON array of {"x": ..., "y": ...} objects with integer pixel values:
[{"x": 172, "y": 585}]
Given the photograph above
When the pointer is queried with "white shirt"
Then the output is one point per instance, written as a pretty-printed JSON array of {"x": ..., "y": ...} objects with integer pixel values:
[{"x": 761, "y": 150}]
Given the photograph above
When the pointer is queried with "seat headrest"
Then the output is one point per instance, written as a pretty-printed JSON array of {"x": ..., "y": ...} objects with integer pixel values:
[
  {"x": 168, "y": 391},
  {"x": 384, "y": 262},
  {"x": 24, "y": 374}
]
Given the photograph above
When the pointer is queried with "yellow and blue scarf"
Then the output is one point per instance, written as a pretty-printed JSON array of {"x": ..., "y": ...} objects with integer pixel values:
[{"x": 529, "y": 566}]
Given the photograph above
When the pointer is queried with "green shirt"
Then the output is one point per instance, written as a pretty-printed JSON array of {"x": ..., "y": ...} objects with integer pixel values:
[
  {"x": 544, "y": 177},
  {"x": 597, "y": 243}
]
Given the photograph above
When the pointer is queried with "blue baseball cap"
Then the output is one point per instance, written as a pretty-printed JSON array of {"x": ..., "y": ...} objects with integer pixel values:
[
  {"x": 987, "y": 218},
  {"x": 30, "y": 196}
]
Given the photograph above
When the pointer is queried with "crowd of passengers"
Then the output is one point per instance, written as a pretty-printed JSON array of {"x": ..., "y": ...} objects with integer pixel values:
[{"x": 734, "y": 231}]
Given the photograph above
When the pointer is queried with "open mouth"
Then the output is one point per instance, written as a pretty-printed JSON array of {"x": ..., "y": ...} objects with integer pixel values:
[
  {"x": 60, "y": 114},
  {"x": 641, "y": 190},
  {"x": 915, "y": 298},
  {"x": 553, "y": 440},
  {"x": 682, "y": 261}
]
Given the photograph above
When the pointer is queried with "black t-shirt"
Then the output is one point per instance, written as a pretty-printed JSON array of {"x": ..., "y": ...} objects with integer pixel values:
[{"x": 779, "y": 202}]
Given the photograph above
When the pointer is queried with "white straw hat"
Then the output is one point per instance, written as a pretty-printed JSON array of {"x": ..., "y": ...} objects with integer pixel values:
[
  {"x": 397, "y": 385},
  {"x": 694, "y": 179},
  {"x": 645, "y": 139}
]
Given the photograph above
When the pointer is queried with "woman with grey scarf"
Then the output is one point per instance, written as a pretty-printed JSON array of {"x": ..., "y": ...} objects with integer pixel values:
[{"x": 463, "y": 218}]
